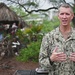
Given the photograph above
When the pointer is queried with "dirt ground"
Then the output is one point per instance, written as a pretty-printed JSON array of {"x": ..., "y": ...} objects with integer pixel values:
[{"x": 8, "y": 66}]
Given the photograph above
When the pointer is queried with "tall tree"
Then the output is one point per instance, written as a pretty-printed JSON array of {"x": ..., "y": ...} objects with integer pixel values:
[
  {"x": 31, "y": 5},
  {"x": 34, "y": 5}
]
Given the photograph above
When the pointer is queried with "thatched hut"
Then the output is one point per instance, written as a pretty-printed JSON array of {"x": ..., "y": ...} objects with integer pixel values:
[
  {"x": 6, "y": 14},
  {"x": 9, "y": 16},
  {"x": 9, "y": 23}
]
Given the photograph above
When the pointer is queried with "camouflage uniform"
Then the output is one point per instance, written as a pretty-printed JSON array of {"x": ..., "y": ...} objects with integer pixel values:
[{"x": 49, "y": 42}]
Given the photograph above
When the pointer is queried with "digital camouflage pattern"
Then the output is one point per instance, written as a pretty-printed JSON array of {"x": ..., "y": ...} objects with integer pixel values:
[{"x": 49, "y": 42}]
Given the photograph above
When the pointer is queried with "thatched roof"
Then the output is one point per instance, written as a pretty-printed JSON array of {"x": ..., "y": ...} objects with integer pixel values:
[{"x": 7, "y": 14}]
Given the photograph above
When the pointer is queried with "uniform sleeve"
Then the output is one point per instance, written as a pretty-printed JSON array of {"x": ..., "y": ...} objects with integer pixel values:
[{"x": 43, "y": 55}]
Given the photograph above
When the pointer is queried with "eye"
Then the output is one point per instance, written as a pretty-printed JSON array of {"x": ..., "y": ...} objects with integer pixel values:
[
  {"x": 61, "y": 13},
  {"x": 67, "y": 14}
]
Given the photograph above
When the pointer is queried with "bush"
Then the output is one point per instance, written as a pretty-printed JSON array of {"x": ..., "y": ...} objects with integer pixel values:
[
  {"x": 50, "y": 25},
  {"x": 30, "y": 53}
]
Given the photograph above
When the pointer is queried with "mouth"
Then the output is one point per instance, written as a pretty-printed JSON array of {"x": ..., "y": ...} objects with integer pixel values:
[{"x": 64, "y": 21}]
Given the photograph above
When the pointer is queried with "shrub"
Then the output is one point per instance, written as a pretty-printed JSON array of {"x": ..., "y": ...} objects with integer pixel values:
[
  {"x": 50, "y": 25},
  {"x": 33, "y": 47},
  {"x": 31, "y": 52}
]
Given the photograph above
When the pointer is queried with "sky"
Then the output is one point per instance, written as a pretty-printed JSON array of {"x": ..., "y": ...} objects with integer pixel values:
[
  {"x": 44, "y": 3},
  {"x": 72, "y": 1},
  {"x": 47, "y": 5}
]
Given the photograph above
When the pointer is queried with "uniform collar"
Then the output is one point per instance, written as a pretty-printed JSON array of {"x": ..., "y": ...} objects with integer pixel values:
[{"x": 60, "y": 36}]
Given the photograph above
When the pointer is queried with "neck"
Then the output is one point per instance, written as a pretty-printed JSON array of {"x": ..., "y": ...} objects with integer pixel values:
[{"x": 65, "y": 29}]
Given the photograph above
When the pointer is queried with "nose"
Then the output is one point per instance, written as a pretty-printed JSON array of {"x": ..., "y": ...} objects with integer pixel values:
[{"x": 64, "y": 16}]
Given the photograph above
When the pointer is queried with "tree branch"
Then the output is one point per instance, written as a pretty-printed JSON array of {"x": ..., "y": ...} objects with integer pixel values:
[
  {"x": 37, "y": 9},
  {"x": 42, "y": 9},
  {"x": 29, "y": 12}
]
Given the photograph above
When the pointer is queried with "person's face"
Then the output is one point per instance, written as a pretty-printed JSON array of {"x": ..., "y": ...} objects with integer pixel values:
[{"x": 65, "y": 16}]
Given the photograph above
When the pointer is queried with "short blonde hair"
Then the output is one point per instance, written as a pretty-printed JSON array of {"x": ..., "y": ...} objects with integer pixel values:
[{"x": 65, "y": 5}]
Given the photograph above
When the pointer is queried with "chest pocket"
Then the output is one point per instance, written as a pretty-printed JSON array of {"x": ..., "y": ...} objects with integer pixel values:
[
  {"x": 69, "y": 47},
  {"x": 59, "y": 45},
  {"x": 73, "y": 46}
]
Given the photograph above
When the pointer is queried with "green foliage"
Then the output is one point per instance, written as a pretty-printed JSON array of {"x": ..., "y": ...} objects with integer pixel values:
[
  {"x": 33, "y": 32},
  {"x": 30, "y": 53},
  {"x": 20, "y": 34},
  {"x": 50, "y": 25},
  {"x": 36, "y": 28},
  {"x": 29, "y": 34},
  {"x": 18, "y": 10},
  {"x": 31, "y": 4},
  {"x": 74, "y": 9},
  {"x": 28, "y": 31}
]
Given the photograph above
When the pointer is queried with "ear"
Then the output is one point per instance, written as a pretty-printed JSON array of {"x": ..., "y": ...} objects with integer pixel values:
[{"x": 72, "y": 16}]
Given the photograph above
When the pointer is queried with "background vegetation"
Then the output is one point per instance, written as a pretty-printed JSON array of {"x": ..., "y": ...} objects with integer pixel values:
[
  {"x": 31, "y": 37},
  {"x": 31, "y": 52}
]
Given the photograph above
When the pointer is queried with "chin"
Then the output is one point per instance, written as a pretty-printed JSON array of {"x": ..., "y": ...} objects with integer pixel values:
[{"x": 64, "y": 24}]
